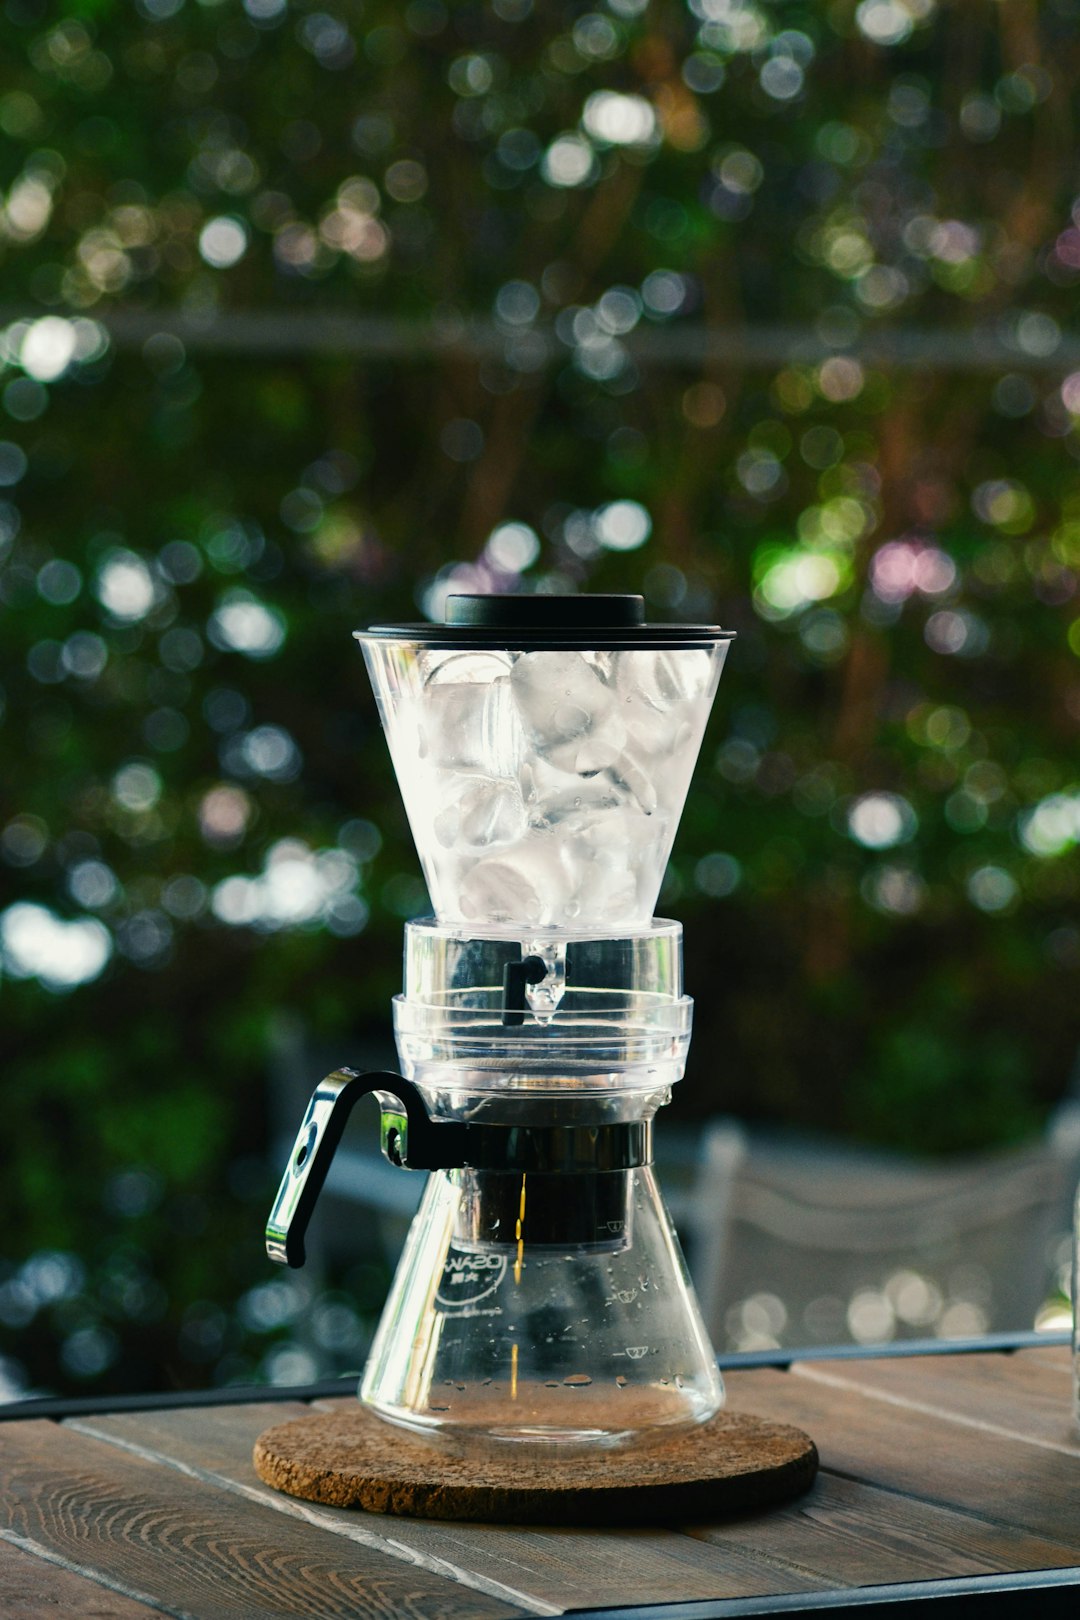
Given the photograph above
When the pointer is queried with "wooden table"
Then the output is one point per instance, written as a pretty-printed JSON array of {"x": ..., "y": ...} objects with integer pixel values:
[{"x": 943, "y": 1475}]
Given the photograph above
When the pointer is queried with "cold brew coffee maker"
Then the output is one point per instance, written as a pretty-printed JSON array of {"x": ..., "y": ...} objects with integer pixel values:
[{"x": 544, "y": 746}]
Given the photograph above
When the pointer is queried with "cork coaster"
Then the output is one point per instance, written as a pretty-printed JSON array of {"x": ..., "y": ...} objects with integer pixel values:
[{"x": 732, "y": 1464}]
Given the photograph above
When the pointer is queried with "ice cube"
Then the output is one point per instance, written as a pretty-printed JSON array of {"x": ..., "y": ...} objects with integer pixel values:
[
  {"x": 605, "y": 894},
  {"x": 440, "y": 666},
  {"x": 470, "y": 726},
  {"x": 540, "y": 781},
  {"x": 630, "y": 773},
  {"x": 571, "y": 809},
  {"x": 479, "y": 813},
  {"x": 526, "y": 883},
  {"x": 610, "y": 865},
  {"x": 664, "y": 676},
  {"x": 649, "y": 732},
  {"x": 570, "y": 716}
]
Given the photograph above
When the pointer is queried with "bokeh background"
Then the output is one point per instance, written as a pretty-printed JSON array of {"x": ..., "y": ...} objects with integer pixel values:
[{"x": 312, "y": 315}]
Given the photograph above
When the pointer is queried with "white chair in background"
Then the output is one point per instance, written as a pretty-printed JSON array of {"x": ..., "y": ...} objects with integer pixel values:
[{"x": 872, "y": 1245}]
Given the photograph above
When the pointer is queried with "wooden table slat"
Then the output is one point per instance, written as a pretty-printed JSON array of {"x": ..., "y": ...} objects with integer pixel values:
[
  {"x": 852, "y": 1534},
  {"x": 1022, "y": 1396},
  {"x": 203, "y": 1551},
  {"x": 539, "y": 1567},
  {"x": 1053, "y": 1357},
  {"x": 32, "y": 1586},
  {"x": 1011, "y": 1483}
]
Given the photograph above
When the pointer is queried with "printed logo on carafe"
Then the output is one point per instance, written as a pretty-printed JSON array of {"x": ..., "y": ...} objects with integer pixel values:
[{"x": 469, "y": 1279}]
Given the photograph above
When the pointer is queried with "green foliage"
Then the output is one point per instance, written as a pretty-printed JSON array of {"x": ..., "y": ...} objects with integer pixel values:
[
  {"x": 302, "y": 308},
  {"x": 928, "y": 1090}
]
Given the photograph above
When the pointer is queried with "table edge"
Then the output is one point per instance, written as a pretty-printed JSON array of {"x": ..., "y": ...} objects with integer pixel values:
[
  {"x": 1007, "y": 1595},
  {"x": 63, "y": 1406}
]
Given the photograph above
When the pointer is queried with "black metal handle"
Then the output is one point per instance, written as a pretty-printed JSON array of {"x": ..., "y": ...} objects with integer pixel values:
[{"x": 411, "y": 1139}]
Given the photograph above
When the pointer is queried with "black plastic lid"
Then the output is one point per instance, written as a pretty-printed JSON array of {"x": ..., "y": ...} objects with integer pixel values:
[
  {"x": 595, "y": 622},
  {"x": 511, "y": 611}
]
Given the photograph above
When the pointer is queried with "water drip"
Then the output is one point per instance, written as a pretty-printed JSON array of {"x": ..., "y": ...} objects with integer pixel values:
[{"x": 544, "y": 996}]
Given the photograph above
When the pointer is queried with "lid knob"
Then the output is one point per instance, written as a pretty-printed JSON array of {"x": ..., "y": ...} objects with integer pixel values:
[{"x": 512, "y": 611}]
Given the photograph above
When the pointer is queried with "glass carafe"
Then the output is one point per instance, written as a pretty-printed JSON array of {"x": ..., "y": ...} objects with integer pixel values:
[{"x": 589, "y": 1335}]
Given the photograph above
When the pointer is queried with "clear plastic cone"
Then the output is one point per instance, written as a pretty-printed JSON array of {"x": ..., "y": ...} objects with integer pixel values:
[{"x": 543, "y": 784}]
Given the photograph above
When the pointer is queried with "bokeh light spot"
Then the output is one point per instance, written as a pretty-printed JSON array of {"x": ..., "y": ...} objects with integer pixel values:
[
  {"x": 881, "y": 820},
  {"x": 125, "y": 586},
  {"x": 568, "y": 162},
  {"x": 622, "y": 525},
  {"x": 241, "y": 623},
  {"x": 512, "y": 547},
  {"x": 37, "y": 944},
  {"x": 223, "y": 241},
  {"x": 48, "y": 348},
  {"x": 615, "y": 119}
]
